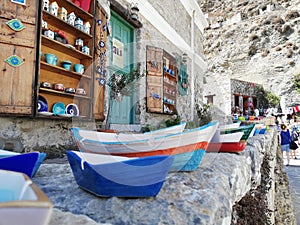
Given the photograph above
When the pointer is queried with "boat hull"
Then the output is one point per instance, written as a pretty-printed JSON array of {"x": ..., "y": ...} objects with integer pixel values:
[
  {"x": 23, "y": 163},
  {"x": 189, "y": 140},
  {"x": 227, "y": 147},
  {"x": 21, "y": 201},
  {"x": 136, "y": 177}
]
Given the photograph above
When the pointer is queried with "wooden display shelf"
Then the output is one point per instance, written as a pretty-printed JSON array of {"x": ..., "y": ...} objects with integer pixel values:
[
  {"x": 64, "y": 48},
  {"x": 61, "y": 70},
  {"x": 171, "y": 96},
  {"x": 63, "y": 94},
  {"x": 64, "y": 26},
  {"x": 74, "y": 8},
  {"x": 169, "y": 75}
]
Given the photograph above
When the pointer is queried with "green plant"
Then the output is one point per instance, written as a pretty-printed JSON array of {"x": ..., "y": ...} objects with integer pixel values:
[
  {"x": 267, "y": 99},
  {"x": 174, "y": 120},
  {"x": 125, "y": 83},
  {"x": 296, "y": 82},
  {"x": 204, "y": 114}
]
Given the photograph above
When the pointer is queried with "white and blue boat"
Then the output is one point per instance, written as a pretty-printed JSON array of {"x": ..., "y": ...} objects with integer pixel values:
[{"x": 107, "y": 176}]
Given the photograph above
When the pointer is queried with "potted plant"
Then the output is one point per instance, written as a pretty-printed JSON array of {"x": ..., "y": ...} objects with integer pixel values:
[{"x": 122, "y": 85}]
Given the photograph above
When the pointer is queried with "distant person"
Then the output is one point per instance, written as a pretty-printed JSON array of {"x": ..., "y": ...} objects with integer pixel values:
[
  {"x": 295, "y": 140},
  {"x": 256, "y": 112},
  {"x": 284, "y": 140}
]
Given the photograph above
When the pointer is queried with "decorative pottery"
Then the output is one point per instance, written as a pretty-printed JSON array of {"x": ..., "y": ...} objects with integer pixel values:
[
  {"x": 15, "y": 24},
  {"x": 78, "y": 43},
  {"x": 51, "y": 59},
  {"x": 63, "y": 14},
  {"x": 87, "y": 27},
  {"x": 44, "y": 24},
  {"x": 80, "y": 91},
  {"x": 86, "y": 50},
  {"x": 46, "y": 5},
  {"x": 72, "y": 109},
  {"x": 79, "y": 23},
  {"x": 66, "y": 64},
  {"x": 70, "y": 90},
  {"x": 71, "y": 18},
  {"x": 42, "y": 104},
  {"x": 58, "y": 108},
  {"x": 46, "y": 85},
  {"x": 79, "y": 68},
  {"x": 49, "y": 34},
  {"x": 59, "y": 87},
  {"x": 53, "y": 8}
]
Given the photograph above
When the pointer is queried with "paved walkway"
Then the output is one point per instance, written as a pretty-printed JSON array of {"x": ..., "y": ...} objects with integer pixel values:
[{"x": 293, "y": 173}]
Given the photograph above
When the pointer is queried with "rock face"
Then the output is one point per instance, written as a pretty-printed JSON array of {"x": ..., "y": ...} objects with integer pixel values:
[
  {"x": 205, "y": 196},
  {"x": 256, "y": 41}
]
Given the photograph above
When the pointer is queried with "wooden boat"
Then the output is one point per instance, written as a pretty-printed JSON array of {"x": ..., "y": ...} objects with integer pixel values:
[
  {"x": 21, "y": 201},
  {"x": 168, "y": 130},
  {"x": 105, "y": 175},
  {"x": 27, "y": 163},
  {"x": 41, "y": 158},
  {"x": 248, "y": 131},
  {"x": 187, "y": 147},
  {"x": 230, "y": 125},
  {"x": 231, "y": 137},
  {"x": 182, "y": 142},
  {"x": 233, "y": 147}
]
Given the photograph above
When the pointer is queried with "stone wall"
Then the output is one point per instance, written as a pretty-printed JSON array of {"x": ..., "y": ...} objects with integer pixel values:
[{"x": 224, "y": 190}]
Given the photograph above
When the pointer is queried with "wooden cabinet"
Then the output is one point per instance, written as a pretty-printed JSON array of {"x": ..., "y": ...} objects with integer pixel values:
[
  {"x": 161, "y": 81},
  {"x": 63, "y": 48},
  {"x": 17, "y": 83}
]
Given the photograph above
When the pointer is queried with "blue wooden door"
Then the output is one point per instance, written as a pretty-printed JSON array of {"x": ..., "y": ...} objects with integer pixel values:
[{"x": 122, "y": 60}]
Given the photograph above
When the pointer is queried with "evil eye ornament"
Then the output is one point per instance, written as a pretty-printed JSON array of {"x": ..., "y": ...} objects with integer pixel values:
[
  {"x": 101, "y": 81},
  {"x": 101, "y": 44},
  {"x": 14, "y": 61},
  {"x": 99, "y": 22},
  {"x": 15, "y": 24}
]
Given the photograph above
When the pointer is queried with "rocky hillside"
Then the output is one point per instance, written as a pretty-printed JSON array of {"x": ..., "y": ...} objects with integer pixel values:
[{"x": 254, "y": 40}]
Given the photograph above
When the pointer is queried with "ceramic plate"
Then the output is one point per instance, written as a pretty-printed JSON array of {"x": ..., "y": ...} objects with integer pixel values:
[
  {"x": 65, "y": 115},
  {"x": 58, "y": 108},
  {"x": 72, "y": 109},
  {"x": 45, "y": 113},
  {"x": 42, "y": 104}
]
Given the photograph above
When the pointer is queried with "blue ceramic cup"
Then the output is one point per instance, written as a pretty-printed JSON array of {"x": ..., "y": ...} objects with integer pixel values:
[
  {"x": 66, "y": 64},
  {"x": 79, "y": 68},
  {"x": 51, "y": 58}
]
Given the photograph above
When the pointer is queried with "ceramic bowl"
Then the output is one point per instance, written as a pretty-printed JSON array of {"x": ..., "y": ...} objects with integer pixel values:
[
  {"x": 58, "y": 108},
  {"x": 45, "y": 85},
  {"x": 70, "y": 90},
  {"x": 80, "y": 91},
  {"x": 66, "y": 64},
  {"x": 59, "y": 87},
  {"x": 42, "y": 104}
]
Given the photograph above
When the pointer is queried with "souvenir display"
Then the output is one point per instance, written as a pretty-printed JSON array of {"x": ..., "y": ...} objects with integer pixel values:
[
  {"x": 45, "y": 5},
  {"x": 53, "y": 8},
  {"x": 51, "y": 59},
  {"x": 58, "y": 108},
  {"x": 15, "y": 24},
  {"x": 14, "y": 61},
  {"x": 80, "y": 91},
  {"x": 63, "y": 14},
  {"x": 70, "y": 90},
  {"x": 72, "y": 109},
  {"x": 66, "y": 64},
  {"x": 71, "y": 18},
  {"x": 78, "y": 23},
  {"x": 59, "y": 87},
  {"x": 42, "y": 104},
  {"x": 85, "y": 49},
  {"x": 79, "y": 68},
  {"x": 46, "y": 85}
]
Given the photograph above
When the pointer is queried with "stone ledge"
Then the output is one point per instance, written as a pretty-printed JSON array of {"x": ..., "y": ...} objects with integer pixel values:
[{"x": 205, "y": 196}]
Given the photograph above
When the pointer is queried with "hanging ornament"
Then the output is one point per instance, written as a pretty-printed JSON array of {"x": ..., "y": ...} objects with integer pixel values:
[
  {"x": 14, "y": 61},
  {"x": 101, "y": 81},
  {"x": 15, "y": 24}
]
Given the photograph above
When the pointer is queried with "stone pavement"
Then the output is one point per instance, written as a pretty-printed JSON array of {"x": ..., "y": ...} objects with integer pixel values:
[{"x": 293, "y": 173}]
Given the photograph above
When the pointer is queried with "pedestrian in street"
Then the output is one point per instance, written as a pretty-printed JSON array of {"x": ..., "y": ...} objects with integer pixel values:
[
  {"x": 284, "y": 140},
  {"x": 294, "y": 140}
]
